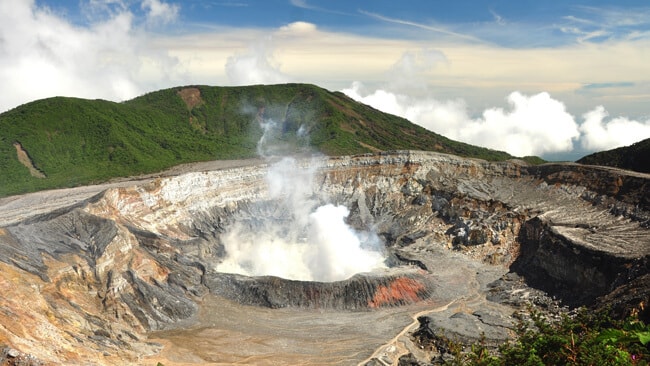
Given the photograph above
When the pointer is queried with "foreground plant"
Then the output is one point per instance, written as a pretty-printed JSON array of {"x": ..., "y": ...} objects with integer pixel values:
[{"x": 583, "y": 339}]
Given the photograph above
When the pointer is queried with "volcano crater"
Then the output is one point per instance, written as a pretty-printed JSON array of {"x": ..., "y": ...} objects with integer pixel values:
[{"x": 103, "y": 267}]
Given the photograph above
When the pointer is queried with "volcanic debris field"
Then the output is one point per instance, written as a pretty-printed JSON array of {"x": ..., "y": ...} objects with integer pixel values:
[{"x": 314, "y": 260}]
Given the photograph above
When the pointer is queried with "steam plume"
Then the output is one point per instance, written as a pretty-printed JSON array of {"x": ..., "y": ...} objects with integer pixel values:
[{"x": 299, "y": 240}]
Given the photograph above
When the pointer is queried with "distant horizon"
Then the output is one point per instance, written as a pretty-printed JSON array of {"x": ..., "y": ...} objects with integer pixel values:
[{"x": 556, "y": 79}]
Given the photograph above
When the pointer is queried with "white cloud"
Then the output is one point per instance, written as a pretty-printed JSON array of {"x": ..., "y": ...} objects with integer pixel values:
[
  {"x": 432, "y": 28},
  {"x": 606, "y": 23},
  {"x": 298, "y": 28},
  {"x": 115, "y": 56},
  {"x": 43, "y": 55},
  {"x": 96, "y": 10},
  {"x": 599, "y": 134},
  {"x": 533, "y": 125},
  {"x": 158, "y": 11},
  {"x": 300, "y": 4},
  {"x": 256, "y": 66},
  {"x": 497, "y": 18},
  {"x": 441, "y": 117},
  {"x": 406, "y": 73}
]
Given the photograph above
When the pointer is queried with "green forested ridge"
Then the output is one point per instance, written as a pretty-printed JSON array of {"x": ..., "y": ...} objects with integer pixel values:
[
  {"x": 634, "y": 157},
  {"x": 76, "y": 141}
]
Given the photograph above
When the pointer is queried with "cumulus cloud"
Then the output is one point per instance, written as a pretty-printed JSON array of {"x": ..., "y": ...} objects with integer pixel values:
[
  {"x": 443, "y": 117},
  {"x": 533, "y": 125},
  {"x": 600, "y": 134},
  {"x": 257, "y": 65},
  {"x": 43, "y": 55}
]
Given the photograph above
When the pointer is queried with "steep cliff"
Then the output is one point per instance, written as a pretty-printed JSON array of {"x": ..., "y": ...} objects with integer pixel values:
[{"x": 87, "y": 275}]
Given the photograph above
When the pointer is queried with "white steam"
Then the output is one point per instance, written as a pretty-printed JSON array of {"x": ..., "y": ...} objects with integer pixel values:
[
  {"x": 256, "y": 66},
  {"x": 298, "y": 239},
  {"x": 265, "y": 146},
  {"x": 330, "y": 250},
  {"x": 337, "y": 248}
]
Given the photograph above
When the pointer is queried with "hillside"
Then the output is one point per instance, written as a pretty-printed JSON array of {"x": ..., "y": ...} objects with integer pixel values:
[
  {"x": 634, "y": 157},
  {"x": 64, "y": 142}
]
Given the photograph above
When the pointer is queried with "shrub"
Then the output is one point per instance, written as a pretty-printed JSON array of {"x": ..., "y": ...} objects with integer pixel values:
[{"x": 583, "y": 339}]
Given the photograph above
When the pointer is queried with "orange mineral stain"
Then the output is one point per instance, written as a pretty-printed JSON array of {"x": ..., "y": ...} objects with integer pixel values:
[{"x": 400, "y": 290}]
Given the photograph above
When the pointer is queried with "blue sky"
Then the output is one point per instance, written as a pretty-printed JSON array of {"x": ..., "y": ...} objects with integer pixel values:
[
  {"x": 552, "y": 21},
  {"x": 556, "y": 78}
]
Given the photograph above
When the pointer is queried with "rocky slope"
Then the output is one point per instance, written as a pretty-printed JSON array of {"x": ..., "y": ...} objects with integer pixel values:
[{"x": 129, "y": 272}]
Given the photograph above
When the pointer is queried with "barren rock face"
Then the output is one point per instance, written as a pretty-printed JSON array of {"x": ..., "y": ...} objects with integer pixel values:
[{"x": 89, "y": 278}]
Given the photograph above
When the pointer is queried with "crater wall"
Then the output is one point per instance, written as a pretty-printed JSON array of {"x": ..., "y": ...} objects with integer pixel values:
[{"x": 96, "y": 272}]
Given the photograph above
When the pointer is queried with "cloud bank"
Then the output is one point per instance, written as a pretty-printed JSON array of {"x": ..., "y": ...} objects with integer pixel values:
[{"x": 534, "y": 124}]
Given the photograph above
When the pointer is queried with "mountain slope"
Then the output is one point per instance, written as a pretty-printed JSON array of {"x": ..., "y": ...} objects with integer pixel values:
[
  {"x": 634, "y": 157},
  {"x": 60, "y": 142}
]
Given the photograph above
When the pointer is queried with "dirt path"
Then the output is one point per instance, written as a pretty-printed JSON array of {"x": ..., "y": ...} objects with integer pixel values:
[{"x": 394, "y": 348}]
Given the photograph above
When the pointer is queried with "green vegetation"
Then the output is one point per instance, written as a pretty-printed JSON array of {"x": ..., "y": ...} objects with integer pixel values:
[
  {"x": 634, "y": 157},
  {"x": 533, "y": 160},
  {"x": 586, "y": 339},
  {"x": 76, "y": 141}
]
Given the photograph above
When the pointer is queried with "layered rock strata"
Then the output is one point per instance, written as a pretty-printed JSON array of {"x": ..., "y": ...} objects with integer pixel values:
[{"x": 86, "y": 279}]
